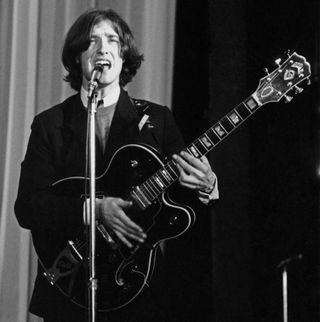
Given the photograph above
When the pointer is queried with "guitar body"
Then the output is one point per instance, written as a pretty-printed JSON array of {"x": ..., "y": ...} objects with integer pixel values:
[{"x": 122, "y": 272}]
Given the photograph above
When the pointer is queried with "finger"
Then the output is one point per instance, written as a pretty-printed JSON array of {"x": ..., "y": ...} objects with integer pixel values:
[
  {"x": 189, "y": 169},
  {"x": 204, "y": 174},
  {"x": 186, "y": 166},
  {"x": 123, "y": 239},
  {"x": 119, "y": 223},
  {"x": 196, "y": 162},
  {"x": 188, "y": 181},
  {"x": 124, "y": 203},
  {"x": 128, "y": 223},
  {"x": 128, "y": 234},
  {"x": 181, "y": 170},
  {"x": 205, "y": 161}
]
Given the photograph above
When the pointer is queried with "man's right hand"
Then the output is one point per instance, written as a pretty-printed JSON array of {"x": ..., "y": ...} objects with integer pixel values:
[{"x": 111, "y": 212}]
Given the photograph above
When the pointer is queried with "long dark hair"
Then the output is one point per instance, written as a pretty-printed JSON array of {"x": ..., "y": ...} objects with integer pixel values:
[{"x": 78, "y": 39}]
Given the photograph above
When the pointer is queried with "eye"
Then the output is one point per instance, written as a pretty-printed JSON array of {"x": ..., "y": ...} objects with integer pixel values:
[
  {"x": 114, "y": 39},
  {"x": 94, "y": 39}
]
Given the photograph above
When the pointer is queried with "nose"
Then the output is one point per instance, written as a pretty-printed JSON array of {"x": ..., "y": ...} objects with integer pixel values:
[{"x": 103, "y": 46}]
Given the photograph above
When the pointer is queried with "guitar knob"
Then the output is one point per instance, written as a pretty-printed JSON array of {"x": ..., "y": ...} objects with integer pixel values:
[
  {"x": 278, "y": 62},
  {"x": 288, "y": 53},
  {"x": 288, "y": 98}
]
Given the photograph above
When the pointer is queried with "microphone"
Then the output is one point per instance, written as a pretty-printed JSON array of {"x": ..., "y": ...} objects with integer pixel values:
[{"x": 95, "y": 77}]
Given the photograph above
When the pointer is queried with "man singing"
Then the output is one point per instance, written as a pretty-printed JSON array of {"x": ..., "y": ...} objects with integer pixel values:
[{"x": 57, "y": 150}]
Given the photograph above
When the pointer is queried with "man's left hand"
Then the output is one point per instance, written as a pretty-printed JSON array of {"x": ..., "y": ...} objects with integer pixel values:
[{"x": 194, "y": 173}]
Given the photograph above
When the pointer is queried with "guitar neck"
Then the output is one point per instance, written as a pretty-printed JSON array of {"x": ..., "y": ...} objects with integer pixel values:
[
  {"x": 220, "y": 130},
  {"x": 168, "y": 174}
]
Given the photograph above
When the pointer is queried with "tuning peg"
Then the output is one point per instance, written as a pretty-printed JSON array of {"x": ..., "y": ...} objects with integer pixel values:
[
  {"x": 287, "y": 98},
  {"x": 308, "y": 81},
  {"x": 298, "y": 90},
  {"x": 288, "y": 53},
  {"x": 266, "y": 71},
  {"x": 278, "y": 62}
]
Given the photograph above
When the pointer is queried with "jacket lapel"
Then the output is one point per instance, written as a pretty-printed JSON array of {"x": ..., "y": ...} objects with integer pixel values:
[
  {"x": 124, "y": 126},
  {"x": 76, "y": 121}
]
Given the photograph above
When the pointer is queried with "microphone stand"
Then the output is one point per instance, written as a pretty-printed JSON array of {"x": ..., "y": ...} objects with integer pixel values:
[
  {"x": 283, "y": 265},
  {"x": 93, "y": 282}
]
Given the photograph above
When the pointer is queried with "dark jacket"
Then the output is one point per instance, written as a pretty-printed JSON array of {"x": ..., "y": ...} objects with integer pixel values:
[{"x": 56, "y": 150}]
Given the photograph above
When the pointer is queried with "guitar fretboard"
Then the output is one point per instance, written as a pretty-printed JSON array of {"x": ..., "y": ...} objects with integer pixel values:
[{"x": 153, "y": 187}]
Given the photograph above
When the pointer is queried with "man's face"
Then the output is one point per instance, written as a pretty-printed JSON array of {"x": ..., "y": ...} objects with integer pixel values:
[{"x": 104, "y": 49}]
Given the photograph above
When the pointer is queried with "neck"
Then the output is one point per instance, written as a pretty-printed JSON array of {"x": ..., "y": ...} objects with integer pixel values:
[
  {"x": 108, "y": 91},
  {"x": 109, "y": 96}
]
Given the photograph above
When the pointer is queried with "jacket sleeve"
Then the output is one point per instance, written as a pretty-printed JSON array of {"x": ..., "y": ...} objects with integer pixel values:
[{"x": 37, "y": 207}]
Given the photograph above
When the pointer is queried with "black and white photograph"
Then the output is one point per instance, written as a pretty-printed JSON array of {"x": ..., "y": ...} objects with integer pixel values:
[{"x": 159, "y": 161}]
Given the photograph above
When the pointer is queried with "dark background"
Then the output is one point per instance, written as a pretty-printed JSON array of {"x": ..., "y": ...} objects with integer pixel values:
[{"x": 225, "y": 268}]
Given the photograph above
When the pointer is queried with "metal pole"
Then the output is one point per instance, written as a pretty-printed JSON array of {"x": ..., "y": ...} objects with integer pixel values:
[
  {"x": 93, "y": 282},
  {"x": 283, "y": 266},
  {"x": 285, "y": 294}
]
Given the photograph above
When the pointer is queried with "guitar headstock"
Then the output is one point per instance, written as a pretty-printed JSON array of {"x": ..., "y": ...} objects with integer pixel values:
[{"x": 286, "y": 77}]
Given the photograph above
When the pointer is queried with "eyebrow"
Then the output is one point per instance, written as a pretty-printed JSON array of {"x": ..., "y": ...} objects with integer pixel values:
[{"x": 115, "y": 35}]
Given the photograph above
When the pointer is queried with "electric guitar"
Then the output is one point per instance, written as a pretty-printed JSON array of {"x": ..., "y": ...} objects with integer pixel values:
[{"x": 123, "y": 272}]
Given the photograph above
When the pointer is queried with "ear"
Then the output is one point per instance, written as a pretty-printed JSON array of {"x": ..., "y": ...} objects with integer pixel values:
[{"x": 78, "y": 60}]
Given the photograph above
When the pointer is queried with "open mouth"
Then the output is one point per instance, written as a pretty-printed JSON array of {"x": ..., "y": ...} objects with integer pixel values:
[{"x": 104, "y": 63}]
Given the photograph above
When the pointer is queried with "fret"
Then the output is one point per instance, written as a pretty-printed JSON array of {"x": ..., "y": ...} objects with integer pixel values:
[
  {"x": 152, "y": 191},
  {"x": 137, "y": 198},
  {"x": 235, "y": 118},
  {"x": 251, "y": 103},
  {"x": 243, "y": 111},
  {"x": 227, "y": 124},
  {"x": 172, "y": 170},
  {"x": 213, "y": 136},
  {"x": 201, "y": 147},
  {"x": 143, "y": 195},
  {"x": 192, "y": 150},
  {"x": 220, "y": 131},
  {"x": 166, "y": 174},
  {"x": 145, "y": 190},
  {"x": 206, "y": 141},
  {"x": 162, "y": 178},
  {"x": 159, "y": 182},
  {"x": 154, "y": 186}
]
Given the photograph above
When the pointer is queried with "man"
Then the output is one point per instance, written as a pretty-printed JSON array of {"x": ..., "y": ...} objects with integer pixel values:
[{"x": 56, "y": 150}]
